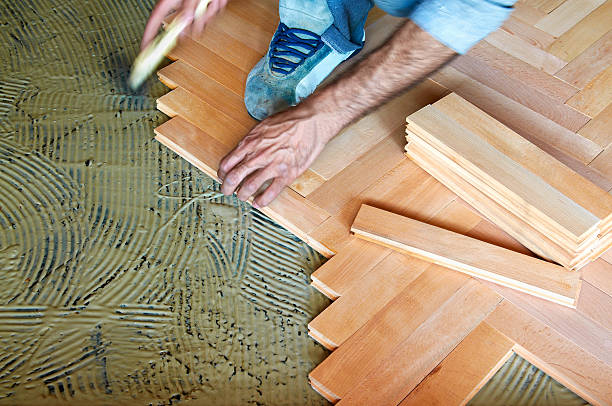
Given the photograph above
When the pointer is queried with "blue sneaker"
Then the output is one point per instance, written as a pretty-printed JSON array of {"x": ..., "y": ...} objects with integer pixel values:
[{"x": 296, "y": 63}]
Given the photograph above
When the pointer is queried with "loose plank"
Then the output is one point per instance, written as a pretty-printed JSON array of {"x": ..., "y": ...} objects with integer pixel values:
[
  {"x": 465, "y": 370},
  {"x": 468, "y": 255},
  {"x": 598, "y": 129}
]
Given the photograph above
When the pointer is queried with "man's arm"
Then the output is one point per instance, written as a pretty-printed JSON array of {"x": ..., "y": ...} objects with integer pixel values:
[{"x": 283, "y": 146}]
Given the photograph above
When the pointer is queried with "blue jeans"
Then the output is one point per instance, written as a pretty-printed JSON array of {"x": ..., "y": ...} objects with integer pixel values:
[{"x": 458, "y": 24}]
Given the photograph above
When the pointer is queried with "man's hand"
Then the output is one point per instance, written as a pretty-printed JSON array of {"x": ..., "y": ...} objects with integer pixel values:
[
  {"x": 187, "y": 8},
  {"x": 279, "y": 149}
]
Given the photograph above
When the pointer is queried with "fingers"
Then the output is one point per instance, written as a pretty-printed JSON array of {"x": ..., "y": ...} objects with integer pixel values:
[
  {"x": 231, "y": 160},
  {"x": 213, "y": 8},
  {"x": 235, "y": 177},
  {"x": 270, "y": 193},
  {"x": 254, "y": 182},
  {"x": 160, "y": 11}
]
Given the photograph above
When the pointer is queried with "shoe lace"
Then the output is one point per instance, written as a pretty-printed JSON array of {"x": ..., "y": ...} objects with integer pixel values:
[{"x": 290, "y": 47}]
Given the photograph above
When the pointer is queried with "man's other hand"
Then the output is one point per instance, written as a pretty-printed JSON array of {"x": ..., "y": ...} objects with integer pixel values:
[
  {"x": 187, "y": 8},
  {"x": 275, "y": 152}
]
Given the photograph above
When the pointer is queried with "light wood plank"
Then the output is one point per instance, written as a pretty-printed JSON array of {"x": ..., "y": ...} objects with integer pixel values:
[
  {"x": 361, "y": 173},
  {"x": 362, "y": 352},
  {"x": 528, "y": 155},
  {"x": 518, "y": 91},
  {"x": 368, "y": 295},
  {"x": 526, "y": 13},
  {"x": 207, "y": 89},
  {"x": 515, "y": 46},
  {"x": 364, "y": 135},
  {"x": 596, "y": 305},
  {"x": 571, "y": 149},
  {"x": 567, "y": 15},
  {"x": 546, "y": 6},
  {"x": 464, "y": 254},
  {"x": 520, "y": 230},
  {"x": 465, "y": 370},
  {"x": 603, "y": 163},
  {"x": 339, "y": 274},
  {"x": 416, "y": 356},
  {"x": 502, "y": 173},
  {"x": 582, "y": 69},
  {"x": 528, "y": 32},
  {"x": 537, "y": 79},
  {"x": 211, "y": 64},
  {"x": 598, "y": 129},
  {"x": 582, "y": 35},
  {"x": 564, "y": 360},
  {"x": 595, "y": 96},
  {"x": 599, "y": 274}
]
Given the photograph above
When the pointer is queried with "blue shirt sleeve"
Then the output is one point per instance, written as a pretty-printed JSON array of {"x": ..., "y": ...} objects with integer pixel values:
[{"x": 460, "y": 24}]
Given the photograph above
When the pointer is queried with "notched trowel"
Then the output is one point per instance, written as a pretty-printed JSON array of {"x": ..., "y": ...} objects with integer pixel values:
[{"x": 149, "y": 58}]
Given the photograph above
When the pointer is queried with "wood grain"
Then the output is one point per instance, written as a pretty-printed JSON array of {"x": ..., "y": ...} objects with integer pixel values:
[
  {"x": 464, "y": 254},
  {"x": 464, "y": 371}
]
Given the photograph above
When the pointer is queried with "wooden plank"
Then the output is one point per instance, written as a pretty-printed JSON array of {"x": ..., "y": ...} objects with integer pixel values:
[
  {"x": 527, "y": 14},
  {"x": 368, "y": 295},
  {"x": 596, "y": 305},
  {"x": 202, "y": 115},
  {"x": 465, "y": 370},
  {"x": 223, "y": 128},
  {"x": 546, "y": 6},
  {"x": 464, "y": 254},
  {"x": 569, "y": 323},
  {"x": 598, "y": 129},
  {"x": 599, "y": 274},
  {"x": 595, "y": 96},
  {"x": 229, "y": 48},
  {"x": 211, "y": 64},
  {"x": 333, "y": 195},
  {"x": 203, "y": 151},
  {"x": 207, "y": 89},
  {"x": 567, "y": 15},
  {"x": 539, "y": 80},
  {"x": 520, "y": 230},
  {"x": 564, "y": 360},
  {"x": 339, "y": 274},
  {"x": 582, "y": 35},
  {"x": 502, "y": 173},
  {"x": 515, "y": 46},
  {"x": 416, "y": 356},
  {"x": 582, "y": 69},
  {"x": 520, "y": 92},
  {"x": 364, "y": 135},
  {"x": 528, "y": 155},
  {"x": 571, "y": 149},
  {"x": 603, "y": 163},
  {"x": 361, "y": 353},
  {"x": 528, "y": 32}
]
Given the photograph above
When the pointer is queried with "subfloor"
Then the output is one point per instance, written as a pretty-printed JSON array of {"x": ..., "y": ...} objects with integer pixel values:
[{"x": 126, "y": 277}]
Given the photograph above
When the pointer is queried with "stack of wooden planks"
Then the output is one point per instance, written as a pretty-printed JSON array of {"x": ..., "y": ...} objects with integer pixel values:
[
  {"x": 443, "y": 333},
  {"x": 542, "y": 203}
]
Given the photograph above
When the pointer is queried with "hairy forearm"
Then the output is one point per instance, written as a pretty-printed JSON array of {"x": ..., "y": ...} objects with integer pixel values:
[{"x": 407, "y": 57}]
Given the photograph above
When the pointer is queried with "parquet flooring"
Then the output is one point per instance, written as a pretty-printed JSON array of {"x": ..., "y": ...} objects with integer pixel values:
[{"x": 404, "y": 331}]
